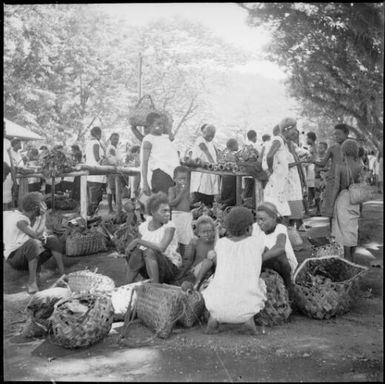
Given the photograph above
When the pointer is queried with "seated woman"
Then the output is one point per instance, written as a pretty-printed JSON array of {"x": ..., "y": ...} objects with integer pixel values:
[
  {"x": 195, "y": 255},
  {"x": 278, "y": 254},
  {"x": 154, "y": 254},
  {"x": 26, "y": 244},
  {"x": 236, "y": 292}
]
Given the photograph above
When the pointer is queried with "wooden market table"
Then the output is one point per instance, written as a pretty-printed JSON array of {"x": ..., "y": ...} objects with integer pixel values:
[
  {"x": 83, "y": 171},
  {"x": 258, "y": 195}
]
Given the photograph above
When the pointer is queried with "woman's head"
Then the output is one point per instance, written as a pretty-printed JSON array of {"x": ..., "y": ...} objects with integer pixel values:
[
  {"x": 287, "y": 126},
  {"x": 239, "y": 221},
  {"x": 205, "y": 228},
  {"x": 158, "y": 207},
  {"x": 96, "y": 132},
  {"x": 208, "y": 131},
  {"x": 155, "y": 123},
  {"x": 350, "y": 149},
  {"x": 33, "y": 204},
  {"x": 114, "y": 138},
  {"x": 267, "y": 216}
]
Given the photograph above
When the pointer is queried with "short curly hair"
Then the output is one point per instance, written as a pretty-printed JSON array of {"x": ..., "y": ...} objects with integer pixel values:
[
  {"x": 31, "y": 201},
  {"x": 204, "y": 219},
  {"x": 350, "y": 148},
  {"x": 154, "y": 202},
  {"x": 238, "y": 220}
]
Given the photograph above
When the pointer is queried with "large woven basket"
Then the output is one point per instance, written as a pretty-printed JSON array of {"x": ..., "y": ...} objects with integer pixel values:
[
  {"x": 277, "y": 306},
  {"x": 80, "y": 244},
  {"x": 331, "y": 249},
  {"x": 159, "y": 307},
  {"x": 87, "y": 281},
  {"x": 82, "y": 320},
  {"x": 326, "y": 286},
  {"x": 138, "y": 114}
]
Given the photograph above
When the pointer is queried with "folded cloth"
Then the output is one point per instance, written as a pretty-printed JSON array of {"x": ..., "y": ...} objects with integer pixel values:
[{"x": 183, "y": 223}]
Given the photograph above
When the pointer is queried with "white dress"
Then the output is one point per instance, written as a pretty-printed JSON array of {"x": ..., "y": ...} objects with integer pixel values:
[
  {"x": 204, "y": 182},
  {"x": 269, "y": 240},
  {"x": 90, "y": 160},
  {"x": 275, "y": 190},
  {"x": 294, "y": 187},
  {"x": 236, "y": 292}
]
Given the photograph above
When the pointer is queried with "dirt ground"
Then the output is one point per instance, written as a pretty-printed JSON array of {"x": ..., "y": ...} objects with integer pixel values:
[{"x": 347, "y": 348}]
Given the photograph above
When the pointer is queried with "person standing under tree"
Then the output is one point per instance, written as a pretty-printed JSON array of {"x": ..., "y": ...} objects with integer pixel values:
[
  {"x": 310, "y": 168},
  {"x": 341, "y": 133},
  {"x": 95, "y": 183},
  {"x": 320, "y": 174}
]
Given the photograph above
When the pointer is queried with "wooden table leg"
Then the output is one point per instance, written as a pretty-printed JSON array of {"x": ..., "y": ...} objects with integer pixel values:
[
  {"x": 23, "y": 190},
  {"x": 83, "y": 197},
  {"x": 239, "y": 190},
  {"x": 118, "y": 192},
  {"x": 258, "y": 193}
]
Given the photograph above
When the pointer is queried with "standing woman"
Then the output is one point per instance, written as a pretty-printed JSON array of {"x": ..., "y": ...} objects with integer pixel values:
[
  {"x": 278, "y": 170},
  {"x": 205, "y": 186},
  {"x": 346, "y": 215}
]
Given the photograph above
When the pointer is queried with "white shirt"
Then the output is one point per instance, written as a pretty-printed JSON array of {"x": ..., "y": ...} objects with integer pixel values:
[
  {"x": 91, "y": 160},
  {"x": 269, "y": 240},
  {"x": 163, "y": 156},
  {"x": 13, "y": 237},
  {"x": 113, "y": 159},
  {"x": 6, "y": 146},
  {"x": 157, "y": 236},
  {"x": 7, "y": 189},
  {"x": 17, "y": 159}
]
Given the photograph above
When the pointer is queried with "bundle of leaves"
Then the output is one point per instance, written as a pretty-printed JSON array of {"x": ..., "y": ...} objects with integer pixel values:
[
  {"x": 247, "y": 154},
  {"x": 56, "y": 162}
]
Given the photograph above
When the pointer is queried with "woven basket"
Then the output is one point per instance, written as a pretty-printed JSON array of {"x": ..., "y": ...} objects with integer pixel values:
[
  {"x": 80, "y": 244},
  {"x": 159, "y": 307},
  {"x": 87, "y": 281},
  {"x": 138, "y": 114},
  {"x": 73, "y": 327},
  {"x": 326, "y": 286},
  {"x": 277, "y": 306},
  {"x": 332, "y": 249}
]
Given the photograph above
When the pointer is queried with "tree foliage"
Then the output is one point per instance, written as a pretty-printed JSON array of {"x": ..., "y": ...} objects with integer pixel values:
[
  {"x": 333, "y": 54},
  {"x": 68, "y": 65}
]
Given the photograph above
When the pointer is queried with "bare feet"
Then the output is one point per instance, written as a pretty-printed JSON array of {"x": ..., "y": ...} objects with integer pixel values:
[
  {"x": 32, "y": 288},
  {"x": 212, "y": 326}
]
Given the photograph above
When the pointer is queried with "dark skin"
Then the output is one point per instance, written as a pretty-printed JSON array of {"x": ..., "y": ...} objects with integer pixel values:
[{"x": 179, "y": 195}]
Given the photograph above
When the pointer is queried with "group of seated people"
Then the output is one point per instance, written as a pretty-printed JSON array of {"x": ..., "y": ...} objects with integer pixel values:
[{"x": 230, "y": 265}]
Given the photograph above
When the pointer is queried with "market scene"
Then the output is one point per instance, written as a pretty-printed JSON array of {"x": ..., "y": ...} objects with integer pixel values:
[{"x": 193, "y": 192}]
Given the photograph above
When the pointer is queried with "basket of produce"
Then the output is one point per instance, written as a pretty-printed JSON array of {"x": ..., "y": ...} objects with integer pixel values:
[
  {"x": 138, "y": 114},
  {"x": 40, "y": 309},
  {"x": 82, "y": 320},
  {"x": 159, "y": 307},
  {"x": 331, "y": 249},
  {"x": 87, "y": 281},
  {"x": 56, "y": 162},
  {"x": 326, "y": 286},
  {"x": 82, "y": 241},
  {"x": 277, "y": 306}
]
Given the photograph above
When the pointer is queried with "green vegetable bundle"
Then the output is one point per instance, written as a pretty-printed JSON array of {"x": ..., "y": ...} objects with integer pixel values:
[{"x": 56, "y": 162}]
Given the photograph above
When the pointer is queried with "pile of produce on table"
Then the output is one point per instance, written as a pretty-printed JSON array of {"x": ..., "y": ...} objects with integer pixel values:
[{"x": 56, "y": 162}]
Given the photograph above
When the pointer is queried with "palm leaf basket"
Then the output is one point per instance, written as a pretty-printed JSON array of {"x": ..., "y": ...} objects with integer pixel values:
[
  {"x": 159, "y": 307},
  {"x": 87, "y": 281},
  {"x": 80, "y": 244},
  {"x": 277, "y": 306},
  {"x": 326, "y": 286},
  {"x": 81, "y": 320},
  {"x": 331, "y": 249},
  {"x": 138, "y": 114}
]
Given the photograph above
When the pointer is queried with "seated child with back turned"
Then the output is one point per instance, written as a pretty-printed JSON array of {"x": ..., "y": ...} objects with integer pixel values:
[
  {"x": 196, "y": 252},
  {"x": 181, "y": 216},
  {"x": 236, "y": 293}
]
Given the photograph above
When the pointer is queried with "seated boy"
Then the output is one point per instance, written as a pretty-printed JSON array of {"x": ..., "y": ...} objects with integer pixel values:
[
  {"x": 181, "y": 216},
  {"x": 197, "y": 251},
  {"x": 26, "y": 244}
]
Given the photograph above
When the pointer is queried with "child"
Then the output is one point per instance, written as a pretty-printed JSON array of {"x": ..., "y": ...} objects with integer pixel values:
[
  {"x": 26, "y": 244},
  {"x": 154, "y": 254},
  {"x": 236, "y": 293},
  {"x": 196, "y": 252},
  {"x": 179, "y": 198},
  {"x": 278, "y": 254}
]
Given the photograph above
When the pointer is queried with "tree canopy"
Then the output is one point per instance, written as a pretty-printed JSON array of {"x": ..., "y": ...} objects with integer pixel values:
[
  {"x": 333, "y": 55},
  {"x": 66, "y": 65}
]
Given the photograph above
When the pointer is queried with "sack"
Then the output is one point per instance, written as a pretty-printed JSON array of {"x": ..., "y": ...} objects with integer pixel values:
[
  {"x": 139, "y": 113},
  {"x": 294, "y": 237},
  {"x": 360, "y": 193}
]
